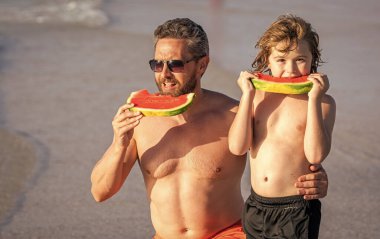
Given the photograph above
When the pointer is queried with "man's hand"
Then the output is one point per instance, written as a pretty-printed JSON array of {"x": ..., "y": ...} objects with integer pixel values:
[
  {"x": 313, "y": 185},
  {"x": 123, "y": 124}
]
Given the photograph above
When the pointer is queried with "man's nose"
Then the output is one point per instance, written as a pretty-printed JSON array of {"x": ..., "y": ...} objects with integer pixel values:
[{"x": 165, "y": 70}]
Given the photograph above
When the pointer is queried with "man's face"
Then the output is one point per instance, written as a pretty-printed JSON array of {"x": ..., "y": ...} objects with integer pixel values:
[{"x": 175, "y": 83}]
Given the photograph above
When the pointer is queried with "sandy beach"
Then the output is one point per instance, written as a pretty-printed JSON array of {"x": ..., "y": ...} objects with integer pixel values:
[{"x": 61, "y": 83}]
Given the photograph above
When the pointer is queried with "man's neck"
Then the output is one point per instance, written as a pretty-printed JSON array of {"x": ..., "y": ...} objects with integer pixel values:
[{"x": 195, "y": 107}]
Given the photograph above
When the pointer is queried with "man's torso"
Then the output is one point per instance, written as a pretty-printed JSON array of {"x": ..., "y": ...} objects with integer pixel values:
[{"x": 192, "y": 180}]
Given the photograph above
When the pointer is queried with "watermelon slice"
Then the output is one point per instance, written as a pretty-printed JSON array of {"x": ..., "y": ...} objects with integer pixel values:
[
  {"x": 159, "y": 105},
  {"x": 283, "y": 85}
]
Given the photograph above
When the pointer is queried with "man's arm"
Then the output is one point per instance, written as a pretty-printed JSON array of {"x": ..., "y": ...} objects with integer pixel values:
[
  {"x": 313, "y": 185},
  {"x": 113, "y": 168}
]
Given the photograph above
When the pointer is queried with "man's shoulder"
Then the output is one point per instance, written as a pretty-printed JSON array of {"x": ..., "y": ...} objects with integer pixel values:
[
  {"x": 220, "y": 99},
  {"x": 218, "y": 103}
]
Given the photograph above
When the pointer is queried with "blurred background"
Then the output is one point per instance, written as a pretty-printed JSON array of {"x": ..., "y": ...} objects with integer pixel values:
[{"x": 66, "y": 66}]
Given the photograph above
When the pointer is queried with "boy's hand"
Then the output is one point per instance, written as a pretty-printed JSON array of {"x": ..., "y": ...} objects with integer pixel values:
[
  {"x": 320, "y": 85},
  {"x": 313, "y": 185},
  {"x": 245, "y": 83},
  {"x": 123, "y": 124}
]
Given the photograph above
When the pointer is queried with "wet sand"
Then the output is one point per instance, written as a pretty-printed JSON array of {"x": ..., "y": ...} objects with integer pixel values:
[{"x": 60, "y": 86}]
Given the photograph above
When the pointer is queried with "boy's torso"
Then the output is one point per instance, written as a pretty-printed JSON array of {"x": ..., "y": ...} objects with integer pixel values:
[{"x": 277, "y": 153}]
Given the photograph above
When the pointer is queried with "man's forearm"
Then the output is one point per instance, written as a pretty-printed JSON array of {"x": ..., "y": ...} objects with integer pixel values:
[{"x": 107, "y": 175}]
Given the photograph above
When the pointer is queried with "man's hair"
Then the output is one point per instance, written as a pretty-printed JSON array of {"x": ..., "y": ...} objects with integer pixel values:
[
  {"x": 287, "y": 29},
  {"x": 184, "y": 28}
]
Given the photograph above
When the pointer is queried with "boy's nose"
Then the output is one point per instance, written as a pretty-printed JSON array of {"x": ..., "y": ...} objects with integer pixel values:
[{"x": 291, "y": 68}]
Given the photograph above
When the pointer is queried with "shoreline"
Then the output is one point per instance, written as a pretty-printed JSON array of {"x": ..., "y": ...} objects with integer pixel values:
[{"x": 18, "y": 164}]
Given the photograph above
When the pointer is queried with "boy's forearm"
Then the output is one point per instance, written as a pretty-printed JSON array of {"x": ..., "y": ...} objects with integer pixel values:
[
  {"x": 317, "y": 142},
  {"x": 240, "y": 134}
]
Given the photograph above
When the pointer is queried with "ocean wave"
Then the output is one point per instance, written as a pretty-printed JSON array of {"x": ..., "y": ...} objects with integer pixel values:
[{"x": 82, "y": 12}]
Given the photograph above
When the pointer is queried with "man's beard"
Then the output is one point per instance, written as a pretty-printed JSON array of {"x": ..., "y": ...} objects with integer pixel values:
[{"x": 188, "y": 87}]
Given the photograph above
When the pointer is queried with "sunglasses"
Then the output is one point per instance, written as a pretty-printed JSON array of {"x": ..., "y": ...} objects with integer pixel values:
[{"x": 175, "y": 66}]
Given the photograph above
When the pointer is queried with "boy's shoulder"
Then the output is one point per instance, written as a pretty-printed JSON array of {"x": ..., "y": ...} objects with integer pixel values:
[{"x": 328, "y": 99}]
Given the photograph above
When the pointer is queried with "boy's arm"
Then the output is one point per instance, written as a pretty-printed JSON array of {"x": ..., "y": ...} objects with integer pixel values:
[
  {"x": 112, "y": 169},
  {"x": 240, "y": 133},
  {"x": 320, "y": 120}
]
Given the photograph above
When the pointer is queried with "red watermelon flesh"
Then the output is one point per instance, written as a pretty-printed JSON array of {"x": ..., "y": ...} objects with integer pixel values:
[
  {"x": 282, "y": 79},
  {"x": 159, "y": 105},
  {"x": 282, "y": 85}
]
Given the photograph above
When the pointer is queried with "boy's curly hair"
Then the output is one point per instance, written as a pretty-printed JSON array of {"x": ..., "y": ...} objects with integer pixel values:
[{"x": 288, "y": 29}]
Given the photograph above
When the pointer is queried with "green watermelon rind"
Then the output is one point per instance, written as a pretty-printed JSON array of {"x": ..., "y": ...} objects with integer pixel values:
[
  {"x": 282, "y": 88},
  {"x": 162, "y": 112}
]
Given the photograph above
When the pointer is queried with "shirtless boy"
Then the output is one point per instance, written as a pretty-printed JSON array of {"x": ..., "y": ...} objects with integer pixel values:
[
  {"x": 192, "y": 179},
  {"x": 283, "y": 133}
]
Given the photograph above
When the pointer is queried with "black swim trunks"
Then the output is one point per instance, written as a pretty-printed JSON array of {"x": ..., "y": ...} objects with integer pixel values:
[{"x": 284, "y": 217}]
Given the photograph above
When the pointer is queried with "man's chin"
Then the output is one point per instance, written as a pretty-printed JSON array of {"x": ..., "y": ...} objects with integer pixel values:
[
  {"x": 174, "y": 92},
  {"x": 171, "y": 92}
]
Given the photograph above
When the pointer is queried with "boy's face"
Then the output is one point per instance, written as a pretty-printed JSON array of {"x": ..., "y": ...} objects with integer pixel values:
[{"x": 294, "y": 63}]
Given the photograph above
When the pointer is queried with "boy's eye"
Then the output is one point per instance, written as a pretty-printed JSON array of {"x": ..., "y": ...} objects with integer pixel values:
[
  {"x": 280, "y": 60},
  {"x": 301, "y": 60}
]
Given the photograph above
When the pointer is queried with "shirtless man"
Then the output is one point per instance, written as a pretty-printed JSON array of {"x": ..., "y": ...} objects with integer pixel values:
[{"x": 192, "y": 179}]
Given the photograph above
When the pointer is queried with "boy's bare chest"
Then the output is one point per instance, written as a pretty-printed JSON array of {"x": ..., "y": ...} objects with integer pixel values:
[{"x": 279, "y": 116}]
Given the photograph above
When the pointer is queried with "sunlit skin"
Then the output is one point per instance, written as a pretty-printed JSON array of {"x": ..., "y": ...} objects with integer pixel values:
[
  {"x": 175, "y": 83},
  {"x": 187, "y": 174},
  {"x": 191, "y": 177},
  {"x": 290, "y": 132}
]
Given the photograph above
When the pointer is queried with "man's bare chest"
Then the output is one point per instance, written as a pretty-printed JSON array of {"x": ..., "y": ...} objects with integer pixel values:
[{"x": 203, "y": 152}]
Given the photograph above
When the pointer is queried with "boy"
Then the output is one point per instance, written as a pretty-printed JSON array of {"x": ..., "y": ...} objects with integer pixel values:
[{"x": 284, "y": 133}]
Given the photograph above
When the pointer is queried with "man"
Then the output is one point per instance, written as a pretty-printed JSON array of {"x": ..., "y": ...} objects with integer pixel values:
[{"x": 192, "y": 179}]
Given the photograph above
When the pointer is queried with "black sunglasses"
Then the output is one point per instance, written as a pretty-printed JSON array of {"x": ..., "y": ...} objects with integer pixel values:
[{"x": 175, "y": 66}]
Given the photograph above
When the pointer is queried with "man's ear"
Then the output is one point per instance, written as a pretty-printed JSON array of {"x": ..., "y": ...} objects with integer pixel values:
[{"x": 203, "y": 63}]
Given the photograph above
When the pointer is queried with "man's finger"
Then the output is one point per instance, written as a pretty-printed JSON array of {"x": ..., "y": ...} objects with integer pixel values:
[
  {"x": 308, "y": 191},
  {"x": 123, "y": 108},
  {"x": 308, "y": 177},
  {"x": 311, "y": 197},
  {"x": 315, "y": 167},
  {"x": 307, "y": 184}
]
